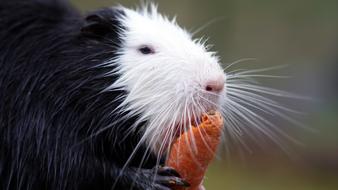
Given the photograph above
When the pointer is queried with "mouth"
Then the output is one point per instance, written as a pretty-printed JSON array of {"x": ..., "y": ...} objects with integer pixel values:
[
  {"x": 194, "y": 121},
  {"x": 190, "y": 116},
  {"x": 181, "y": 127}
]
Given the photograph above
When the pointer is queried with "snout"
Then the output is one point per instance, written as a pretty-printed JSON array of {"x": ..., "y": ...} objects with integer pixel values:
[{"x": 215, "y": 84}]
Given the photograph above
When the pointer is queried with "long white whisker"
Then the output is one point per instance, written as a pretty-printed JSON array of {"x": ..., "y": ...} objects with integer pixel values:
[
  {"x": 239, "y": 61},
  {"x": 204, "y": 26},
  {"x": 261, "y": 70},
  {"x": 266, "y": 90},
  {"x": 260, "y": 101},
  {"x": 256, "y": 76},
  {"x": 260, "y": 123}
]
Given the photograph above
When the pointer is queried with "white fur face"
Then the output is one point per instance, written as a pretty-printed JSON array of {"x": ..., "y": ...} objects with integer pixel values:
[{"x": 167, "y": 75}]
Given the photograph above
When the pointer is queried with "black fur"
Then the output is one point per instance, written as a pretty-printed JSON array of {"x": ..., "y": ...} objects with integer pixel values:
[{"x": 52, "y": 107}]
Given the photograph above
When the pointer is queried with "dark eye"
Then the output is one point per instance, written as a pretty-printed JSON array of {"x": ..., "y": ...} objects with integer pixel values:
[{"x": 146, "y": 50}]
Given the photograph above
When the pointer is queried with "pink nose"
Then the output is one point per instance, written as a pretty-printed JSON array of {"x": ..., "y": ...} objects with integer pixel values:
[{"x": 215, "y": 86}]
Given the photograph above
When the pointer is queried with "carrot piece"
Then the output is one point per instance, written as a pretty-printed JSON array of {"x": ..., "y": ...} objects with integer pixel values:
[{"x": 192, "y": 163}]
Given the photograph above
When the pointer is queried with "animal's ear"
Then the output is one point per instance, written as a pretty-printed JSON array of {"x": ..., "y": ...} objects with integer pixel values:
[{"x": 101, "y": 23}]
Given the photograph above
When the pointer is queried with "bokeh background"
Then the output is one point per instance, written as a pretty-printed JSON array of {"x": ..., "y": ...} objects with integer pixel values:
[{"x": 302, "y": 34}]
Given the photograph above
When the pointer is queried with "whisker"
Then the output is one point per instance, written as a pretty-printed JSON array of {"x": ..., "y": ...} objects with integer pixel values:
[
  {"x": 204, "y": 26},
  {"x": 261, "y": 70},
  {"x": 200, "y": 132},
  {"x": 259, "y": 101},
  {"x": 233, "y": 125},
  {"x": 256, "y": 76},
  {"x": 239, "y": 61},
  {"x": 266, "y": 90}
]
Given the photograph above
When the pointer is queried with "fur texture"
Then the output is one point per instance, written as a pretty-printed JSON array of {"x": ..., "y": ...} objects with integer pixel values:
[{"x": 81, "y": 107}]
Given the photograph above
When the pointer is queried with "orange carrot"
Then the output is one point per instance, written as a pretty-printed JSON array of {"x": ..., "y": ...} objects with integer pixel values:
[{"x": 192, "y": 164}]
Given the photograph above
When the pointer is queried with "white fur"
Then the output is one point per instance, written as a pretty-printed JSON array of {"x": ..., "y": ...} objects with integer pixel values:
[{"x": 165, "y": 88}]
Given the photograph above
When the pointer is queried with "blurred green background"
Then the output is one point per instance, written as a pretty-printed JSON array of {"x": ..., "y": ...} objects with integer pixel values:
[{"x": 300, "y": 33}]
